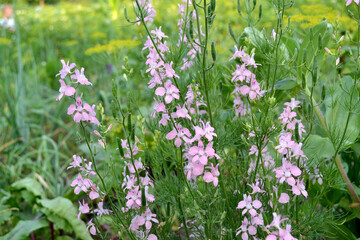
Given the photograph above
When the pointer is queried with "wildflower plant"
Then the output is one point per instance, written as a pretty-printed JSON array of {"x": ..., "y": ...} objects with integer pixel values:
[{"x": 241, "y": 149}]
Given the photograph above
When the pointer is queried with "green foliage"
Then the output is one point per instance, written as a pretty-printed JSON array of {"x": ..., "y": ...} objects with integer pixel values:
[
  {"x": 23, "y": 229},
  {"x": 63, "y": 214}
]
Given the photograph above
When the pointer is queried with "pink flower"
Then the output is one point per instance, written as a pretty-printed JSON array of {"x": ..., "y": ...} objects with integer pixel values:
[
  {"x": 238, "y": 53},
  {"x": 169, "y": 90},
  {"x": 100, "y": 210},
  {"x": 180, "y": 134},
  {"x": 206, "y": 131},
  {"x": 241, "y": 74},
  {"x": 256, "y": 188},
  {"x": 158, "y": 107},
  {"x": 170, "y": 72},
  {"x": 66, "y": 69},
  {"x": 284, "y": 198},
  {"x": 83, "y": 208},
  {"x": 286, "y": 172},
  {"x": 348, "y": 2},
  {"x": 76, "y": 163},
  {"x": 245, "y": 229},
  {"x": 65, "y": 89},
  {"x": 80, "y": 77},
  {"x": 136, "y": 222},
  {"x": 287, "y": 115},
  {"x": 181, "y": 112},
  {"x": 249, "y": 205},
  {"x": 81, "y": 184},
  {"x": 193, "y": 170},
  {"x": 285, "y": 143},
  {"x": 152, "y": 237},
  {"x": 93, "y": 193},
  {"x": 202, "y": 155},
  {"x": 148, "y": 216},
  {"x": 292, "y": 104},
  {"x": 213, "y": 175},
  {"x": 83, "y": 113},
  {"x": 273, "y": 33},
  {"x": 91, "y": 225},
  {"x": 299, "y": 188},
  {"x": 134, "y": 198},
  {"x": 158, "y": 33}
]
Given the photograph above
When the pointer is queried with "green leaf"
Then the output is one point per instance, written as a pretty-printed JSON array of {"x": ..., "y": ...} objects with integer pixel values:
[
  {"x": 30, "y": 189},
  {"x": 63, "y": 214},
  {"x": 5, "y": 213},
  {"x": 318, "y": 147},
  {"x": 286, "y": 84},
  {"x": 24, "y": 228},
  {"x": 337, "y": 113},
  {"x": 335, "y": 232}
]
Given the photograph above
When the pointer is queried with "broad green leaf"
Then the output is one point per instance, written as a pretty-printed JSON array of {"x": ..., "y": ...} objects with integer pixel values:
[
  {"x": 63, "y": 214},
  {"x": 336, "y": 232},
  {"x": 318, "y": 148},
  {"x": 337, "y": 109},
  {"x": 24, "y": 228},
  {"x": 32, "y": 188},
  {"x": 286, "y": 84},
  {"x": 5, "y": 213}
]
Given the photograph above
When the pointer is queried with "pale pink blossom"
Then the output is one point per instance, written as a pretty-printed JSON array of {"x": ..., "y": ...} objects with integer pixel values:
[
  {"x": 65, "y": 89},
  {"x": 66, "y": 69}
]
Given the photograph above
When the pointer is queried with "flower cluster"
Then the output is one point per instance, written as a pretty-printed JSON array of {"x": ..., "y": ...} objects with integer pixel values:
[
  {"x": 197, "y": 148},
  {"x": 136, "y": 186},
  {"x": 148, "y": 10},
  {"x": 284, "y": 178},
  {"x": 83, "y": 113},
  {"x": 246, "y": 85}
]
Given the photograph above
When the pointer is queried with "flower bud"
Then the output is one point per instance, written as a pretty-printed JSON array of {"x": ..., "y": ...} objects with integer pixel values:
[
  {"x": 97, "y": 133},
  {"x": 337, "y": 61},
  {"x": 121, "y": 151},
  {"x": 109, "y": 128},
  {"x": 213, "y": 51},
  {"x": 328, "y": 50},
  {"x": 342, "y": 38},
  {"x": 339, "y": 49}
]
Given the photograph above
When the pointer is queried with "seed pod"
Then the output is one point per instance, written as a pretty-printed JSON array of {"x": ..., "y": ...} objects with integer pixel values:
[
  {"x": 303, "y": 81},
  {"x": 320, "y": 44},
  {"x": 126, "y": 15},
  {"x": 315, "y": 72},
  {"x": 239, "y": 7},
  {"x": 114, "y": 109},
  {"x": 133, "y": 133},
  {"x": 213, "y": 51},
  {"x": 129, "y": 124},
  {"x": 168, "y": 209},
  {"x": 311, "y": 34},
  {"x": 232, "y": 33},
  {"x": 121, "y": 150},
  {"x": 191, "y": 29},
  {"x": 323, "y": 93},
  {"x": 297, "y": 137},
  {"x": 147, "y": 157},
  {"x": 254, "y": 4},
  {"x": 260, "y": 12},
  {"x": 213, "y": 5},
  {"x": 143, "y": 197},
  {"x": 304, "y": 56},
  {"x": 114, "y": 89}
]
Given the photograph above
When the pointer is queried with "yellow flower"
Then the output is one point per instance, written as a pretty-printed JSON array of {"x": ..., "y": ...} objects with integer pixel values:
[
  {"x": 112, "y": 46},
  {"x": 5, "y": 41}
]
